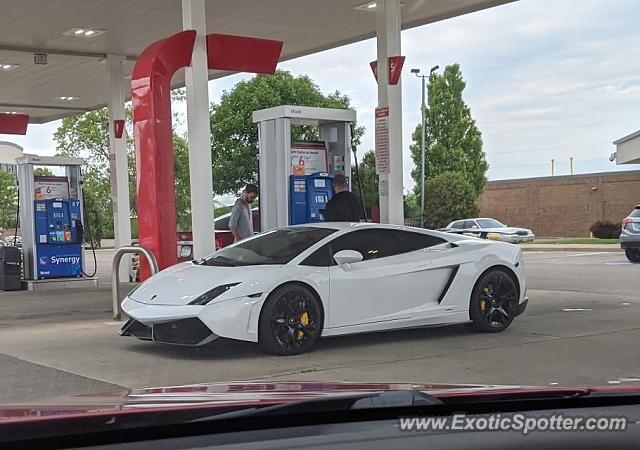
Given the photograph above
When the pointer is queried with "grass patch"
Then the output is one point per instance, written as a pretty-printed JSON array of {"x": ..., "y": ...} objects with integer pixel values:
[{"x": 577, "y": 241}]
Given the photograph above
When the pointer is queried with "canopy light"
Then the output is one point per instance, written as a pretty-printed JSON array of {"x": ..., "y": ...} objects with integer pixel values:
[
  {"x": 66, "y": 98},
  {"x": 371, "y": 6},
  {"x": 6, "y": 67},
  {"x": 84, "y": 32}
]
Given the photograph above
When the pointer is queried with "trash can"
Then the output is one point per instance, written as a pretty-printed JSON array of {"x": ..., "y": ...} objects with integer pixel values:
[{"x": 10, "y": 260}]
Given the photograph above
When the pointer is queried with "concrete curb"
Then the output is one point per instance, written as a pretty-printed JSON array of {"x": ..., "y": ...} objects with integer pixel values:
[{"x": 564, "y": 248}]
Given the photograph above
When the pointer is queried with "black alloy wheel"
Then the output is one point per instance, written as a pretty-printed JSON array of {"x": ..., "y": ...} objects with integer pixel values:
[
  {"x": 494, "y": 301},
  {"x": 290, "y": 321}
]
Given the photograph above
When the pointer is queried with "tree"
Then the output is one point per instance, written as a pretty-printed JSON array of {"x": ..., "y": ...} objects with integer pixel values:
[
  {"x": 8, "y": 199},
  {"x": 451, "y": 196},
  {"x": 367, "y": 174},
  {"x": 453, "y": 142},
  {"x": 235, "y": 136},
  {"x": 42, "y": 172},
  {"x": 87, "y": 135},
  {"x": 411, "y": 206}
]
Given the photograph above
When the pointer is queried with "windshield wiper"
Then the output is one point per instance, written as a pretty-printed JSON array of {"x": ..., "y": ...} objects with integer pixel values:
[
  {"x": 335, "y": 403},
  {"x": 217, "y": 261}
]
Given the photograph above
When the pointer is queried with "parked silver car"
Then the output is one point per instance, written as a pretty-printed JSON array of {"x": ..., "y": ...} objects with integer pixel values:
[
  {"x": 630, "y": 235},
  {"x": 492, "y": 229}
]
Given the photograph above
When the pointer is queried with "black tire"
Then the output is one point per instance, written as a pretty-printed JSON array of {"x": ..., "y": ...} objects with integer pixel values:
[
  {"x": 290, "y": 321},
  {"x": 494, "y": 301},
  {"x": 633, "y": 254}
]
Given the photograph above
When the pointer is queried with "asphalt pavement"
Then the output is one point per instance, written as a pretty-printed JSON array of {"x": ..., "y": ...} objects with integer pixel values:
[{"x": 581, "y": 327}]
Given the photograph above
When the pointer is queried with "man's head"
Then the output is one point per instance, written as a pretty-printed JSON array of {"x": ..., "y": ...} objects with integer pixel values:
[
  {"x": 339, "y": 183},
  {"x": 250, "y": 193}
]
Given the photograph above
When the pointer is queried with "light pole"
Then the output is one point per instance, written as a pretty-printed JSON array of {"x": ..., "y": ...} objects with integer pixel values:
[{"x": 422, "y": 158}]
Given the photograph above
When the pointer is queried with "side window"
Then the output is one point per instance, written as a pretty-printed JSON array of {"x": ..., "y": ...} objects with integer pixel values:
[
  {"x": 256, "y": 220},
  {"x": 418, "y": 241},
  {"x": 469, "y": 224},
  {"x": 320, "y": 258},
  {"x": 374, "y": 244},
  {"x": 459, "y": 224},
  {"x": 222, "y": 224}
]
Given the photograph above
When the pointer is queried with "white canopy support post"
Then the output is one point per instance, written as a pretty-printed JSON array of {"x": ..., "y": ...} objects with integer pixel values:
[
  {"x": 118, "y": 162},
  {"x": 198, "y": 133},
  {"x": 388, "y": 45}
]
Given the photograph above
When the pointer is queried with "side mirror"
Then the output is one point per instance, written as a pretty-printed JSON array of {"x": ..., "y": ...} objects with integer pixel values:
[{"x": 348, "y": 257}]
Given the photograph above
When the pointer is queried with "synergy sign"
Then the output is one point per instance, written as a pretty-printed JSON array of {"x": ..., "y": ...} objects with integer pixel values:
[{"x": 59, "y": 260}]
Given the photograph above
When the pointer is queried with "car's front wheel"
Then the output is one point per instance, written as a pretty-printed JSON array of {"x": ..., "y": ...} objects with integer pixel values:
[
  {"x": 494, "y": 301},
  {"x": 633, "y": 254},
  {"x": 290, "y": 321}
]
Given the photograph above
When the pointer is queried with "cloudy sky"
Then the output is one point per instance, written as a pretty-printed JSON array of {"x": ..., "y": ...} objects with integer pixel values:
[{"x": 545, "y": 79}]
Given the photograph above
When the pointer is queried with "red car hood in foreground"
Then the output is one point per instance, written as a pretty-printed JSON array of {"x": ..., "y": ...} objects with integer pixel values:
[{"x": 247, "y": 394}]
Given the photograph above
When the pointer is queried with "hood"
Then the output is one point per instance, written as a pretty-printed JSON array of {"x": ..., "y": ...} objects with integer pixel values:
[
  {"x": 246, "y": 394},
  {"x": 182, "y": 283}
]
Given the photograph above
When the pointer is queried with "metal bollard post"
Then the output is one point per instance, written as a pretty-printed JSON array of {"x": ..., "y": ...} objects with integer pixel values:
[{"x": 115, "y": 273}]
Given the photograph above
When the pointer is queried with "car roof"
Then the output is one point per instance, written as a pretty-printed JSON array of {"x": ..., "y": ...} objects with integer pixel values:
[
  {"x": 225, "y": 215},
  {"x": 342, "y": 226}
]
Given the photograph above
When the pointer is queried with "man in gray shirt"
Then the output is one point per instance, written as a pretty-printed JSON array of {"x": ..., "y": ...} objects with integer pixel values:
[{"x": 241, "y": 221}]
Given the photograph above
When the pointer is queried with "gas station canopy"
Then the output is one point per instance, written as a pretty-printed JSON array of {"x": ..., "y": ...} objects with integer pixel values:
[{"x": 77, "y": 36}]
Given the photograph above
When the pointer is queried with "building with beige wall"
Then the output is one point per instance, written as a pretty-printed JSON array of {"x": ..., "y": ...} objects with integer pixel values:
[{"x": 562, "y": 206}]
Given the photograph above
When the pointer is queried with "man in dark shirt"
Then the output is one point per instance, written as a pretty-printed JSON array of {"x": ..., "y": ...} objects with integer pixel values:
[{"x": 344, "y": 206}]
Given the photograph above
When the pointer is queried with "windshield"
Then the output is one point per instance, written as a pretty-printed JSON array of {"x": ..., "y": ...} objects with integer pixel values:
[
  {"x": 272, "y": 247},
  {"x": 489, "y": 223}
]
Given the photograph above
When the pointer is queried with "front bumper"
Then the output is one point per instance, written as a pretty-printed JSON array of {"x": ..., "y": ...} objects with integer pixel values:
[
  {"x": 517, "y": 238},
  {"x": 193, "y": 324},
  {"x": 190, "y": 331}
]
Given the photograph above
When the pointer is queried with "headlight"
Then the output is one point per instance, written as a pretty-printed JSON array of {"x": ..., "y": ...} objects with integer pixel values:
[
  {"x": 494, "y": 236},
  {"x": 213, "y": 293}
]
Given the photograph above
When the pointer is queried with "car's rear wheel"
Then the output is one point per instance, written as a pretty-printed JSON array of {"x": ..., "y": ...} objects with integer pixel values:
[
  {"x": 290, "y": 321},
  {"x": 633, "y": 254},
  {"x": 494, "y": 301}
]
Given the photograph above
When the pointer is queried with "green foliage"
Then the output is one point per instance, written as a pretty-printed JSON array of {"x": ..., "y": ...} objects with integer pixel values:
[
  {"x": 8, "y": 200},
  {"x": 42, "y": 172},
  {"x": 222, "y": 210},
  {"x": 367, "y": 174},
  {"x": 412, "y": 208},
  {"x": 87, "y": 135},
  {"x": 183, "y": 189},
  {"x": 450, "y": 196},
  {"x": 453, "y": 142},
  {"x": 235, "y": 136}
]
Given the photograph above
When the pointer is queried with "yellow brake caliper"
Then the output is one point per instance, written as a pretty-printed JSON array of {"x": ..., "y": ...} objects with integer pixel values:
[{"x": 304, "y": 320}]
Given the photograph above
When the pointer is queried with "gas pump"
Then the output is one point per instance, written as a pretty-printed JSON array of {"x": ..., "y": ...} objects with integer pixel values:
[
  {"x": 51, "y": 218},
  {"x": 296, "y": 178}
]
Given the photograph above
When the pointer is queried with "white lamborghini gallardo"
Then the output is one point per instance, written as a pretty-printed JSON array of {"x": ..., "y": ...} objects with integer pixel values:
[{"x": 287, "y": 287}]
